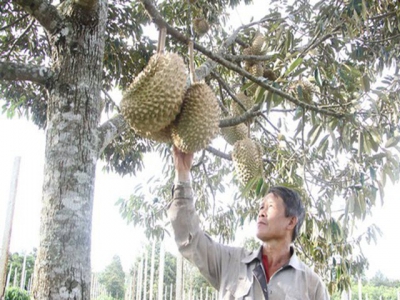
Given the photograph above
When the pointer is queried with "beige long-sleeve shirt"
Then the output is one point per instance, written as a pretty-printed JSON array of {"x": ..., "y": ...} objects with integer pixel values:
[{"x": 231, "y": 269}]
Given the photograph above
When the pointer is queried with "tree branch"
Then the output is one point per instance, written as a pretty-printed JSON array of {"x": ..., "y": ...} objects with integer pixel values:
[
  {"x": 238, "y": 58},
  {"x": 13, "y": 23},
  {"x": 46, "y": 14},
  {"x": 87, "y": 4},
  {"x": 219, "y": 153},
  {"x": 157, "y": 18},
  {"x": 110, "y": 129},
  {"x": 251, "y": 113},
  {"x": 12, "y": 72},
  {"x": 316, "y": 42},
  {"x": 19, "y": 38}
]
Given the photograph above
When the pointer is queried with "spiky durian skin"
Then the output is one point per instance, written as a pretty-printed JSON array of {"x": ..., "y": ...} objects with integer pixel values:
[
  {"x": 303, "y": 90},
  {"x": 248, "y": 103},
  {"x": 247, "y": 160},
  {"x": 200, "y": 26},
  {"x": 233, "y": 134},
  {"x": 197, "y": 123},
  {"x": 162, "y": 136},
  {"x": 153, "y": 100},
  {"x": 270, "y": 74},
  {"x": 308, "y": 91},
  {"x": 248, "y": 63},
  {"x": 257, "y": 44},
  {"x": 256, "y": 70}
]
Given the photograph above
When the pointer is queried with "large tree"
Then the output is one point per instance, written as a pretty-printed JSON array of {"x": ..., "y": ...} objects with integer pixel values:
[
  {"x": 58, "y": 61},
  {"x": 113, "y": 278}
]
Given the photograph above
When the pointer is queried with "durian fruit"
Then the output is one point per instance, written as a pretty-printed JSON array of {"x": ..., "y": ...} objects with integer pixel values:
[
  {"x": 256, "y": 70},
  {"x": 235, "y": 133},
  {"x": 248, "y": 103},
  {"x": 248, "y": 63},
  {"x": 247, "y": 160},
  {"x": 162, "y": 136},
  {"x": 257, "y": 43},
  {"x": 197, "y": 123},
  {"x": 154, "y": 99},
  {"x": 304, "y": 90},
  {"x": 307, "y": 91},
  {"x": 270, "y": 74},
  {"x": 200, "y": 26}
]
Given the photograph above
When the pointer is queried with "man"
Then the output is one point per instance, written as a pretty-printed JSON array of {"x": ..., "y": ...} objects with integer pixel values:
[{"x": 273, "y": 272}]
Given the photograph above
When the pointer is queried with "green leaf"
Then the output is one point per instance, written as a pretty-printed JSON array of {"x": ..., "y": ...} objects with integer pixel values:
[
  {"x": 393, "y": 141},
  {"x": 317, "y": 76},
  {"x": 314, "y": 134},
  {"x": 293, "y": 66},
  {"x": 366, "y": 83}
]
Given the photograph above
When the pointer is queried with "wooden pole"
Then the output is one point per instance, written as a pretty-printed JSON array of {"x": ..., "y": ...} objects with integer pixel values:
[
  {"x": 9, "y": 276},
  {"x": 146, "y": 263},
  {"x": 23, "y": 275},
  {"x": 161, "y": 271},
  {"x": 179, "y": 279},
  {"x": 5, "y": 246},
  {"x": 153, "y": 258},
  {"x": 15, "y": 281}
]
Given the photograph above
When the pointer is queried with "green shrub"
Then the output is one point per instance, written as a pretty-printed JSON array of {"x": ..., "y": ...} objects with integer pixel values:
[
  {"x": 14, "y": 293},
  {"x": 104, "y": 297}
]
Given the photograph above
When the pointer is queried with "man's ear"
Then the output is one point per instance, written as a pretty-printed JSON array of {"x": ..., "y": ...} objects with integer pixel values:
[{"x": 292, "y": 222}]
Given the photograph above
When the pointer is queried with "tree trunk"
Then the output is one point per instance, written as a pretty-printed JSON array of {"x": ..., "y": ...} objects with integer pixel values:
[
  {"x": 133, "y": 286},
  {"x": 161, "y": 272},
  {"x": 23, "y": 274},
  {"x": 63, "y": 267},
  {"x": 153, "y": 257},
  {"x": 15, "y": 281},
  {"x": 8, "y": 276},
  {"x": 5, "y": 245},
  {"x": 146, "y": 263},
  {"x": 140, "y": 280},
  {"x": 179, "y": 277}
]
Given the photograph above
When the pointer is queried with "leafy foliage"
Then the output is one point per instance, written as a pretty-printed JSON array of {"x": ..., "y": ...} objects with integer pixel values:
[
  {"x": 169, "y": 269},
  {"x": 340, "y": 152},
  {"x": 378, "y": 287},
  {"x": 16, "y": 261},
  {"x": 337, "y": 142},
  {"x": 113, "y": 278},
  {"x": 14, "y": 293}
]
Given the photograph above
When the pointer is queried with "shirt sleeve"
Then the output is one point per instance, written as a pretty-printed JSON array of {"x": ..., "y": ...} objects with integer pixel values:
[
  {"x": 321, "y": 292},
  {"x": 209, "y": 256}
]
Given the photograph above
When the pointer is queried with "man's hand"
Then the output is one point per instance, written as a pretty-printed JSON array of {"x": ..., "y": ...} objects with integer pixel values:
[{"x": 183, "y": 163}]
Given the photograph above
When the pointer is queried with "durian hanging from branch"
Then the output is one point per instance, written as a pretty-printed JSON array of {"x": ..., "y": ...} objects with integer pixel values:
[
  {"x": 197, "y": 124},
  {"x": 153, "y": 100},
  {"x": 247, "y": 160}
]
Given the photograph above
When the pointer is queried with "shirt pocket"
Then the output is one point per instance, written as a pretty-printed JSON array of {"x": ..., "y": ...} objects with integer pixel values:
[
  {"x": 241, "y": 289},
  {"x": 288, "y": 297}
]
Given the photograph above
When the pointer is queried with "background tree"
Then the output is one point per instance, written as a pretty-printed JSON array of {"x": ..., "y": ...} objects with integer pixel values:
[
  {"x": 58, "y": 61},
  {"x": 113, "y": 278},
  {"x": 377, "y": 288},
  {"x": 16, "y": 260}
]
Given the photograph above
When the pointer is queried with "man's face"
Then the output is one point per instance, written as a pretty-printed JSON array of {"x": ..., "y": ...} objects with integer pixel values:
[{"x": 272, "y": 224}]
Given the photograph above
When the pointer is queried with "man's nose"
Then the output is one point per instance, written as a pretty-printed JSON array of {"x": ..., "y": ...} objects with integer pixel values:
[{"x": 262, "y": 213}]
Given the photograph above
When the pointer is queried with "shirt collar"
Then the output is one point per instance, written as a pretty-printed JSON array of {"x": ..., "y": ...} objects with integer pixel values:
[{"x": 257, "y": 254}]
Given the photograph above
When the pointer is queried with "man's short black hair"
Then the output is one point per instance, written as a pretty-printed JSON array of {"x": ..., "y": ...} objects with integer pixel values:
[{"x": 293, "y": 206}]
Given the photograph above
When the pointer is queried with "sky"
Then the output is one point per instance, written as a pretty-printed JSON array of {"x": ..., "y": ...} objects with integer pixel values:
[{"x": 111, "y": 235}]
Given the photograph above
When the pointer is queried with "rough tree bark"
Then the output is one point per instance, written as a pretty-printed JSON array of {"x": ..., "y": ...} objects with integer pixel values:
[{"x": 62, "y": 269}]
